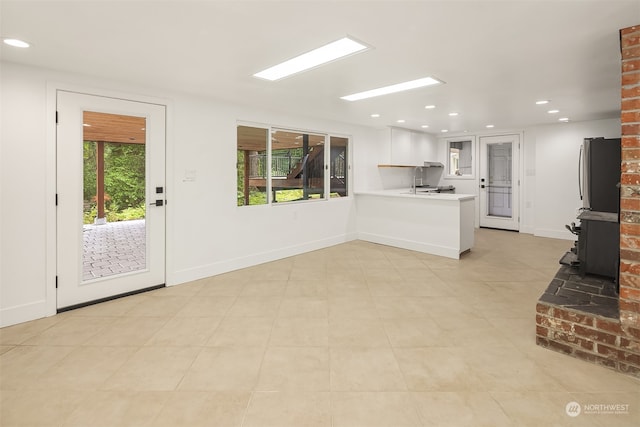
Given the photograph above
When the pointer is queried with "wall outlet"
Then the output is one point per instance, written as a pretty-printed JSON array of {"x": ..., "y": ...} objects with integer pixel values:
[{"x": 190, "y": 175}]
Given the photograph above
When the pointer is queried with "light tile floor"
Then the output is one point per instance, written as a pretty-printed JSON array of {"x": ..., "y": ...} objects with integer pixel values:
[{"x": 354, "y": 335}]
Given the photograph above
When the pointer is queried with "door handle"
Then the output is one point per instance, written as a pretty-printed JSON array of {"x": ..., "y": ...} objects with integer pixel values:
[{"x": 158, "y": 202}]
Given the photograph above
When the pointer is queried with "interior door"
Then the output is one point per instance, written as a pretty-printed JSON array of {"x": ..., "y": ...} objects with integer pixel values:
[
  {"x": 499, "y": 182},
  {"x": 110, "y": 196}
]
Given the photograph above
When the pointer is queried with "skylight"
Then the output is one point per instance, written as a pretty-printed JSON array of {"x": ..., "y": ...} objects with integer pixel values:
[
  {"x": 322, "y": 55},
  {"x": 399, "y": 87}
]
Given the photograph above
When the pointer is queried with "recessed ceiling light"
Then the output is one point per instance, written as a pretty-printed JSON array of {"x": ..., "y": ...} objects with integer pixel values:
[
  {"x": 444, "y": 130},
  {"x": 563, "y": 119},
  {"x": 542, "y": 102},
  {"x": 424, "y": 126},
  {"x": 16, "y": 43},
  {"x": 400, "y": 121},
  {"x": 399, "y": 87},
  {"x": 429, "y": 107},
  {"x": 453, "y": 114},
  {"x": 553, "y": 111},
  {"x": 489, "y": 126},
  {"x": 375, "y": 115},
  {"x": 327, "y": 53}
]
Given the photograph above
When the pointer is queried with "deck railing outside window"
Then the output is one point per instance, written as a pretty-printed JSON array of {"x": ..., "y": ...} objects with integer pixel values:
[{"x": 281, "y": 166}]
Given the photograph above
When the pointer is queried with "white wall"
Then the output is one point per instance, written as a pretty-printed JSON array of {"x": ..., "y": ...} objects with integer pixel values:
[
  {"x": 206, "y": 233},
  {"x": 23, "y": 197},
  {"x": 556, "y": 199}
]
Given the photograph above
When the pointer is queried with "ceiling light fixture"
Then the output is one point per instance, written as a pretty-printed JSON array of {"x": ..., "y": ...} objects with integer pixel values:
[
  {"x": 424, "y": 126},
  {"x": 563, "y": 119},
  {"x": 375, "y": 115},
  {"x": 553, "y": 111},
  {"x": 16, "y": 43},
  {"x": 453, "y": 114},
  {"x": 322, "y": 55},
  {"x": 542, "y": 102},
  {"x": 400, "y": 121},
  {"x": 429, "y": 107},
  {"x": 386, "y": 90},
  {"x": 444, "y": 130},
  {"x": 489, "y": 126}
]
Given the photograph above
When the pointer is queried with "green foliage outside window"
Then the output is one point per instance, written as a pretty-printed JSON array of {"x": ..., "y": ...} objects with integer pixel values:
[{"x": 124, "y": 181}]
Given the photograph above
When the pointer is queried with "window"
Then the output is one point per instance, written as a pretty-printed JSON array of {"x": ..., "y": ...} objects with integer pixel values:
[
  {"x": 290, "y": 166},
  {"x": 297, "y": 166},
  {"x": 252, "y": 165},
  {"x": 460, "y": 158},
  {"x": 338, "y": 167}
]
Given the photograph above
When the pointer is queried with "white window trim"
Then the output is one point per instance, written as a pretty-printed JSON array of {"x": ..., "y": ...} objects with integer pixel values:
[
  {"x": 327, "y": 156},
  {"x": 474, "y": 158}
]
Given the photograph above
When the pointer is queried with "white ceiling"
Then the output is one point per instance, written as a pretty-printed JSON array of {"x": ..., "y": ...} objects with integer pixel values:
[{"x": 496, "y": 57}]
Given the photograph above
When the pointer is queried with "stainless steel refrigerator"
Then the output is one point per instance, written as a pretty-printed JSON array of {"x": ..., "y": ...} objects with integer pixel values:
[
  {"x": 599, "y": 238},
  {"x": 599, "y": 171}
]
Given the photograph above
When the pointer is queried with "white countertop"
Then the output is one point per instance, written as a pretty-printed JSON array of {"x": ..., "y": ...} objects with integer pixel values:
[{"x": 405, "y": 193}]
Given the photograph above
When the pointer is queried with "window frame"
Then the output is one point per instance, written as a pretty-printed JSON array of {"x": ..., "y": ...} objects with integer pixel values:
[
  {"x": 347, "y": 171},
  {"x": 266, "y": 128},
  {"x": 324, "y": 136},
  {"x": 270, "y": 129},
  {"x": 447, "y": 160}
]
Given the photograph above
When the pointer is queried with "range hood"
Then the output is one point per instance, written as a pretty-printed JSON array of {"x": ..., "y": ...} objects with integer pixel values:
[{"x": 433, "y": 165}]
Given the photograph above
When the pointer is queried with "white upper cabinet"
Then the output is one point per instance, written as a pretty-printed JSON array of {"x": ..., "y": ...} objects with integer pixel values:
[{"x": 402, "y": 148}]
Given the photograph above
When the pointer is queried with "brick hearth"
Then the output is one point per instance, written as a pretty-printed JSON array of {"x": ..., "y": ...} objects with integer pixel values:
[{"x": 579, "y": 316}]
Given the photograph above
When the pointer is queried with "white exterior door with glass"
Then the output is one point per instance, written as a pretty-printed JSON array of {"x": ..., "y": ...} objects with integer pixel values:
[
  {"x": 111, "y": 197},
  {"x": 499, "y": 182}
]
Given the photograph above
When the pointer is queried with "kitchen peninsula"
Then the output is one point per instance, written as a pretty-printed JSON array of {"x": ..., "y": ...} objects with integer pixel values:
[{"x": 434, "y": 223}]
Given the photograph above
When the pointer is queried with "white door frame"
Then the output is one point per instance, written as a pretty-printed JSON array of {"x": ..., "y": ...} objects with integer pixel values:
[
  {"x": 514, "y": 222},
  {"x": 50, "y": 293}
]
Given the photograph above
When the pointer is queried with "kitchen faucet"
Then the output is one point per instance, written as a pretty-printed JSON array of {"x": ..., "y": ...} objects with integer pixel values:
[{"x": 413, "y": 189}]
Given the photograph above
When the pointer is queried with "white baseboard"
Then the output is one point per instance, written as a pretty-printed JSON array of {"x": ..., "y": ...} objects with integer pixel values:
[
  {"x": 24, "y": 313},
  {"x": 410, "y": 245},
  {"x": 527, "y": 229},
  {"x": 188, "y": 275},
  {"x": 554, "y": 234}
]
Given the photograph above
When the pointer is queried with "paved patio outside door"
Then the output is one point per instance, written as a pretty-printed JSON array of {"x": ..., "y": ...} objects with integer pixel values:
[{"x": 113, "y": 248}]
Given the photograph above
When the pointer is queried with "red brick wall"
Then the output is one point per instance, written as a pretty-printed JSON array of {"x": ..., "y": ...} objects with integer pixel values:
[
  {"x": 588, "y": 337},
  {"x": 630, "y": 191}
]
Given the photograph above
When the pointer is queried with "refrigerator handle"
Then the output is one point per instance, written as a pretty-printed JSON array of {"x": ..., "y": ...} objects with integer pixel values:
[{"x": 580, "y": 171}]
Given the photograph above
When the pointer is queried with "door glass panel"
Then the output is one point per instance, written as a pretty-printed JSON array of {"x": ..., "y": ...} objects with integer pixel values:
[
  {"x": 499, "y": 189},
  {"x": 114, "y": 227},
  {"x": 297, "y": 166},
  {"x": 339, "y": 162}
]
